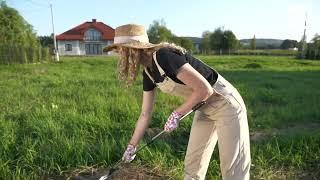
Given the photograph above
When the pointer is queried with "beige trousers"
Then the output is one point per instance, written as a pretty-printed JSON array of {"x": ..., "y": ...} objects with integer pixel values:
[{"x": 222, "y": 119}]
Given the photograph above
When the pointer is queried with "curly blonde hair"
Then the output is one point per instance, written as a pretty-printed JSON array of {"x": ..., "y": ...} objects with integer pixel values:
[{"x": 130, "y": 60}]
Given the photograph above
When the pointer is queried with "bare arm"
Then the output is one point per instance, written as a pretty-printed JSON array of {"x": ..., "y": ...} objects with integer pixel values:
[
  {"x": 201, "y": 89},
  {"x": 144, "y": 118}
]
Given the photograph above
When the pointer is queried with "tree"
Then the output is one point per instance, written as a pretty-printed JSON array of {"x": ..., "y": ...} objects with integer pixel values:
[
  {"x": 187, "y": 44},
  {"x": 183, "y": 42},
  {"x": 286, "y": 44},
  {"x": 205, "y": 43},
  {"x": 175, "y": 39},
  {"x": 158, "y": 32},
  {"x": 230, "y": 41},
  {"x": 216, "y": 39},
  {"x": 313, "y": 48},
  {"x": 18, "y": 41},
  {"x": 14, "y": 29},
  {"x": 223, "y": 40},
  {"x": 316, "y": 42},
  {"x": 253, "y": 44},
  {"x": 46, "y": 41}
]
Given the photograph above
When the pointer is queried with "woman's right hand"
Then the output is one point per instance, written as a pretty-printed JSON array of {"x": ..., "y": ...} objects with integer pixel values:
[{"x": 129, "y": 154}]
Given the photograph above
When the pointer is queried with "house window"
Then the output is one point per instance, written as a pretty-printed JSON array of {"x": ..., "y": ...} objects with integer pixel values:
[
  {"x": 93, "y": 48},
  {"x": 92, "y": 35},
  {"x": 68, "y": 47}
]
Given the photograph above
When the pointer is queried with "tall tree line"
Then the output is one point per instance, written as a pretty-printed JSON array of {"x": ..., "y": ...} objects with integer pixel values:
[
  {"x": 158, "y": 32},
  {"x": 220, "y": 40},
  {"x": 309, "y": 50},
  {"x": 312, "y": 50},
  {"x": 18, "y": 41}
]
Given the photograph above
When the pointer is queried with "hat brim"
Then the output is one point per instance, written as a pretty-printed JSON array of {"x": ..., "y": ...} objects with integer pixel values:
[{"x": 135, "y": 44}]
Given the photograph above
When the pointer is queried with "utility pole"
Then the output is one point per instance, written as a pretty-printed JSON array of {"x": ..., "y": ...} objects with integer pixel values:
[
  {"x": 222, "y": 40},
  {"x": 56, "y": 52},
  {"x": 304, "y": 40}
]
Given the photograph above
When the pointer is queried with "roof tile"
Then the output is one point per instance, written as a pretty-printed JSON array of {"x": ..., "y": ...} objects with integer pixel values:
[{"x": 77, "y": 33}]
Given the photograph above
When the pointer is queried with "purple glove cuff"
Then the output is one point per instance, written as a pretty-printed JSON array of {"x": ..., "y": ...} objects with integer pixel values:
[
  {"x": 131, "y": 147},
  {"x": 129, "y": 155},
  {"x": 173, "y": 121}
]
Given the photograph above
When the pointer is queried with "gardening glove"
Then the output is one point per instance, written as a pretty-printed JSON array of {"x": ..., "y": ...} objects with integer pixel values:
[
  {"x": 129, "y": 155},
  {"x": 172, "y": 122}
]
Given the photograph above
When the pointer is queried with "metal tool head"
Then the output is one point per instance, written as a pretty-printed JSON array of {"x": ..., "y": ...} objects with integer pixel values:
[{"x": 108, "y": 174}]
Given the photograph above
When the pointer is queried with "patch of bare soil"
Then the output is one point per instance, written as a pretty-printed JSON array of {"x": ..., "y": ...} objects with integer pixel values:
[
  {"x": 124, "y": 172},
  {"x": 294, "y": 129}
]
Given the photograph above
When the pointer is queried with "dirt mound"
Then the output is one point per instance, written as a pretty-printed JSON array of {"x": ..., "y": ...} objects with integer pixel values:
[{"x": 124, "y": 172}]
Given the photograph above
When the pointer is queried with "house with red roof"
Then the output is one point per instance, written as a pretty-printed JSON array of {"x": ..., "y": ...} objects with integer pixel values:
[{"x": 86, "y": 39}]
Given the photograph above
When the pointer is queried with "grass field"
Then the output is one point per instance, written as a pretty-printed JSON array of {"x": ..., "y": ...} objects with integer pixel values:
[{"x": 57, "y": 117}]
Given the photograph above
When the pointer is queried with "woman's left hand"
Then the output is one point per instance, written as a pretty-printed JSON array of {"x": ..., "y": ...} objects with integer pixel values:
[
  {"x": 129, "y": 154},
  {"x": 172, "y": 122}
]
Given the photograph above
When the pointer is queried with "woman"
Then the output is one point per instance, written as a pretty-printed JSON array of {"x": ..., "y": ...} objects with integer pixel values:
[{"x": 173, "y": 71}]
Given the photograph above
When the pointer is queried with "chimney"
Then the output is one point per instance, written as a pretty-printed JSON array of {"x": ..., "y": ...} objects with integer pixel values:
[{"x": 94, "y": 20}]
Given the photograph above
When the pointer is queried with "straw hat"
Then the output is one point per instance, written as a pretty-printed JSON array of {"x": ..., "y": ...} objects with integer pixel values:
[{"x": 130, "y": 35}]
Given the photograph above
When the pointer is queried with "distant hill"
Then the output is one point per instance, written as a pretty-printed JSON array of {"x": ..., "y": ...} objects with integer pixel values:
[{"x": 263, "y": 43}]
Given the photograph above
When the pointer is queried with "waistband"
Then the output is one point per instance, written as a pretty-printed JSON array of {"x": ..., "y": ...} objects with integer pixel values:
[
  {"x": 223, "y": 87},
  {"x": 215, "y": 80}
]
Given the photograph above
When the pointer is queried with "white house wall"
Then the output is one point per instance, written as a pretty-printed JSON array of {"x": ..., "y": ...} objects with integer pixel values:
[
  {"x": 75, "y": 48},
  {"x": 78, "y": 47},
  {"x": 82, "y": 49}
]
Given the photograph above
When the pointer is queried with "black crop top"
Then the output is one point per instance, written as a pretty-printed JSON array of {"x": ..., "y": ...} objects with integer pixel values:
[{"x": 170, "y": 61}]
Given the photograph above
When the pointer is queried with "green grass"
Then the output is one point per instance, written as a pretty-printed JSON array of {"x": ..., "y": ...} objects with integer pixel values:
[
  {"x": 59, "y": 116},
  {"x": 264, "y": 52}
]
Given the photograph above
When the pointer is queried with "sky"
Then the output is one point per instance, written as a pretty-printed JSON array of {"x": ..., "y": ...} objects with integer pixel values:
[{"x": 276, "y": 19}]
